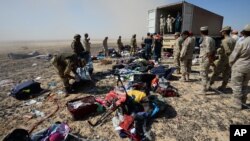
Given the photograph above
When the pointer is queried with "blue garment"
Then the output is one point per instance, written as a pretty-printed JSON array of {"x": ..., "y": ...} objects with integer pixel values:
[
  {"x": 178, "y": 24},
  {"x": 157, "y": 49},
  {"x": 148, "y": 47}
]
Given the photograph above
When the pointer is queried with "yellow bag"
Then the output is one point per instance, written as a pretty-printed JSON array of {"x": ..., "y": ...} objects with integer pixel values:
[{"x": 137, "y": 95}]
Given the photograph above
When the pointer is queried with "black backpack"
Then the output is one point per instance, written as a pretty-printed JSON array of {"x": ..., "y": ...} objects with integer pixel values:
[
  {"x": 18, "y": 135},
  {"x": 26, "y": 90}
]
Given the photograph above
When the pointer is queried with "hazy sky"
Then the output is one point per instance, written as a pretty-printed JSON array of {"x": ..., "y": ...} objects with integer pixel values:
[{"x": 61, "y": 19}]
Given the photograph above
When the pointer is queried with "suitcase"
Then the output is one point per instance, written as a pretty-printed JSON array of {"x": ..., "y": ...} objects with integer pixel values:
[{"x": 82, "y": 107}]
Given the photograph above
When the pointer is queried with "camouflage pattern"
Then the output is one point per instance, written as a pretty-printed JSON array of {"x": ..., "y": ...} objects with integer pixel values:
[
  {"x": 222, "y": 65},
  {"x": 65, "y": 63},
  {"x": 86, "y": 44},
  {"x": 207, "y": 49},
  {"x": 177, "y": 52},
  {"x": 133, "y": 44},
  {"x": 186, "y": 56},
  {"x": 162, "y": 25},
  {"x": 105, "y": 46},
  {"x": 77, "y": 47},
  {"x": 240, "y": 62},
  {"x": 120, "y": 45},
  {"x": 219, "y": 65}
]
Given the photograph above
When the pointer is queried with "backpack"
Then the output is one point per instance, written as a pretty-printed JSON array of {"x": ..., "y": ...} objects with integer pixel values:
[
  {"x": 26, "y": 90},
  {"x": 18, "y": 135}
]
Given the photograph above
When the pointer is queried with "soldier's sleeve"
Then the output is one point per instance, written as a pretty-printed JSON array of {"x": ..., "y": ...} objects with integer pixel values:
[
  {"x": 135, "y": 44},
  {"x": 73, "y": 46},
  {"x": 235, "y": 54},
  {"x": 179, "y": 44},
  {"x": 183, "y": 50},
  {"x": 210, "y": 46},
  {"x": 226, "y": 47}
]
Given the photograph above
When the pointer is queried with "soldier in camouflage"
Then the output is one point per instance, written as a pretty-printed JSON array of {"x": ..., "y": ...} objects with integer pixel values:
[
  {"x": 186, "y": 56},
  {"x": 77, "y": 46},
  {"x": 119, "y": 44},
  {"x": 227, "y": 46},
  {"x": 207, "y": 51},
  {"x": 177, "y": 51},
  {"x": 105, "y": 46},
  {"x": 86, "y": 42},
  {"x": 240, "y": 62},
  {"x": 66, "y": 63},
  {"x": 133, "y": 44}
]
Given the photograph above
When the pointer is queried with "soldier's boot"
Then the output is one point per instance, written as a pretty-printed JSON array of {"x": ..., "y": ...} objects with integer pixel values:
[
  {"x": 209, "y": 87},
  {"x": 236, "y": 101},
  {"x": 187, "y": 77},
  {"x": 244, "y": 102},
  {"x": 222, "y": 87},
  {"x": 69, "y": 91},
  {"x": 178, "y": 70},
  {"x": 183, "y": 78}
]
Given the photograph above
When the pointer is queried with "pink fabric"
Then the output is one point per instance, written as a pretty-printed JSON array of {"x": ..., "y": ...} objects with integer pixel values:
[
  {"x": 118, "y": 98},
  {"x": 56, "y": 137}
]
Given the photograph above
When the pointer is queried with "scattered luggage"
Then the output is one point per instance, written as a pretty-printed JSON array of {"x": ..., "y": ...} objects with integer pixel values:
[
  {"x": 26, "y": 90},
  {"x": 82, "y": 107}
]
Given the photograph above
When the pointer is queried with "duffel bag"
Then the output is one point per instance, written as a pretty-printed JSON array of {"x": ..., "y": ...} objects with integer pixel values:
[{"x": 26, "y": 89}]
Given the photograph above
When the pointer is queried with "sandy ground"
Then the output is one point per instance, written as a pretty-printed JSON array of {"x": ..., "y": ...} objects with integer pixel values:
[{"x": 193, "y": 117}]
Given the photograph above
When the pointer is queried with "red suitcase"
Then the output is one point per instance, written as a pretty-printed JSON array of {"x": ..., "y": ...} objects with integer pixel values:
[{"x": 82, "y": 107}]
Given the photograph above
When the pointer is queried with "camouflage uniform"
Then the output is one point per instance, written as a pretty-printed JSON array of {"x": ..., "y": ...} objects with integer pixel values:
[
  {"x": 192, "y": 46},
  {"x": 105, "y": 47},
  {"x": 87, "y": 44},
  {"x": 176, "y": 52},
  {"x": 77, "y": 47},
  {"x": 240, "y": 61},
  {"x": 120, "y": 45},
  {"x": 186, "y": 56},
  {"x": 65, "y": 63},
  {"x": 223, "y": 67},
  {"x": 162, "y": 24},
  {"x": 207, "y": 49},
  {"x": 133, "y": 44}
]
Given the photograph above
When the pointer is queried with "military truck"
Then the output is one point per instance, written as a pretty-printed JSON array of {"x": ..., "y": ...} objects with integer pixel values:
[{"x": 191, "y": 18}]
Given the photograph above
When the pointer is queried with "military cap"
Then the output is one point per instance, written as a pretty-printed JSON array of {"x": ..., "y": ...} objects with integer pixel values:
[
  {"x": 234, "y": 32},
  {"x": 177, "y": 34},
  {"x": 247, "y": 28},
  {"x": 204, "y": 28},
  {"x": 226, "y": 28},
  {"x": 77, "y": 36}
]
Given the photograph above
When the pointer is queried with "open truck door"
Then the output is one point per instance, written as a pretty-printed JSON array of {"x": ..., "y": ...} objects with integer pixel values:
[
  {"x": 151, "y": 20},
  {"x": 187, "y": 16}
]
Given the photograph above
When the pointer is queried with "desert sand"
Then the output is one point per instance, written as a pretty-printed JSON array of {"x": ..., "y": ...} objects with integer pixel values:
[{"x": 193, "y": 117}]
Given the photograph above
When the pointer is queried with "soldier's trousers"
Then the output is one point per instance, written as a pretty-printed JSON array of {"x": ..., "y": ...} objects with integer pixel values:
[
  {"x": 239, "y": 85},
  {"x": 133, "y": 50},
  {"x": 225, "y": 70},
  {"x": 106, "y": 51},
  {"x": 65, "y": 80},
  {"x": 162, "y": 29},
  {"x": 170, "y": 28},
  {"x": 61, "y": 70},
  {"x": 204, "y": 69},
  {"x": 177, "y": 61},
  {"x": 186, "y": 65}
]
